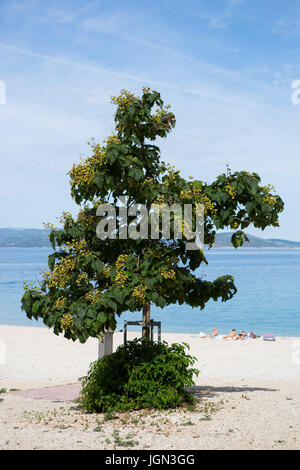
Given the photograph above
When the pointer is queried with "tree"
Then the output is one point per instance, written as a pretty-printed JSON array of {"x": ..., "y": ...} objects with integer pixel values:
[{"x": 91, "y": 281}]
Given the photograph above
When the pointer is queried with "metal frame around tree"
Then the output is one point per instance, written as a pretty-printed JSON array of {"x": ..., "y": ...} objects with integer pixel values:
[{"x": 151, "y": 323}]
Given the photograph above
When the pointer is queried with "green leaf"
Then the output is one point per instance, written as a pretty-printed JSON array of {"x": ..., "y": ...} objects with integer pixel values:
[
  {"x": 102, "y": 317},
  {"x": 98, "y": 266},
  {"x": 161, "y": 302}
]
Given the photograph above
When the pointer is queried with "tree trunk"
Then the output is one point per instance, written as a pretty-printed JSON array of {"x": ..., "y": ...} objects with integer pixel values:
[{"x": 146, "y": 318}]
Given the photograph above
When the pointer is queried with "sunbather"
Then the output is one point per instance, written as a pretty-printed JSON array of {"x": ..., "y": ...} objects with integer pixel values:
[
  {"x": 231, "y": 335},
  {"x": 212, "y": 334},
  {"x": 241, "y": 335}
]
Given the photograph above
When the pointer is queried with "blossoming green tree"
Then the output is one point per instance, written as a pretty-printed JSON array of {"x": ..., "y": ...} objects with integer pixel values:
[{"x": 92, "y": 281}]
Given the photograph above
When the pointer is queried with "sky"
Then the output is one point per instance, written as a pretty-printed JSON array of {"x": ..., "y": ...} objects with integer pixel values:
[{"x": 226, "y": 67}]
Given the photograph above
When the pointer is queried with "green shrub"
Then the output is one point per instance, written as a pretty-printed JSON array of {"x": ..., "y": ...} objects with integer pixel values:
[{"x": 140, "y": 374}]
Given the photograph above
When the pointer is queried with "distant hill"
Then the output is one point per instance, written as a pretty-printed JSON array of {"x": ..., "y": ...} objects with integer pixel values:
[
  {"x": 223, "y": 240},
  {"x": 24, "y": 238},
  {"x": 33, "y": 237}
]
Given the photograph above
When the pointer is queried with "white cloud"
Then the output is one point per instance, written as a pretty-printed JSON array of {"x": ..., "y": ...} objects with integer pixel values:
[
  {"x": 108, "y": 23},
  {"x": 287, "y": 26},
  {"x": 221, "y": 20},
  {"x": 233, "y": 50},
  {"x": 60, "y": 15},
  {"x": 209, "y": 90}
]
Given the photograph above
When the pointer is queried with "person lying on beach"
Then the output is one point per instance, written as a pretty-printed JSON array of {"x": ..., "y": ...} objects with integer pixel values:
[
  {"x": 212, "y": 334},
  {"x": 231, "y": 335},
  {"x": 241, "y": 335}
]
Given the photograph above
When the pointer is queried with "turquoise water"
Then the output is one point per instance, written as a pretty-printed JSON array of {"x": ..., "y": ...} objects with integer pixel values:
[{"x": 268, "y": 298}]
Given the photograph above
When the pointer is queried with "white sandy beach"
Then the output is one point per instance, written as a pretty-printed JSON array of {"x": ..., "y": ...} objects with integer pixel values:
[{"x": 250, "y": 397}]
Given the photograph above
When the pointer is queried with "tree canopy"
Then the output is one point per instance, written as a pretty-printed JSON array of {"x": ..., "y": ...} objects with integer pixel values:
[{"x": 92, "y": 281}]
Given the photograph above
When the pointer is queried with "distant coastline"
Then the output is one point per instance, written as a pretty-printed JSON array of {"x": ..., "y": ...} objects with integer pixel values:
[
  {"x": 38, "y": 238},
  {"x": 247, "y": 247}
]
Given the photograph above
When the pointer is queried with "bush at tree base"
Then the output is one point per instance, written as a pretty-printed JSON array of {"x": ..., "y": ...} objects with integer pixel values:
[{"x": 140, "y": 374}]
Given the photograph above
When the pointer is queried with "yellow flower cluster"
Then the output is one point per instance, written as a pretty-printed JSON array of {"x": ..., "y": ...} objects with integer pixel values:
[
  {"x": 48, "y": 225},
  {"x": 269, "y": 188},
  {"x": 139, "y": 294},
  {"x": 112, "y": 139},
  {"x": 78, "y": 247},
  {"x": 124, "y": 100},
  {"x": 269, "y": 200},
  {"x": 61, "y": 274},
  {"x": 168, "y": 274},
  {"x": 81, "y": 215},
  {"x": 231, "y": 191},
  {"x": 82, "y": 277},
  {"x": 64, "y": 217},
  {"x": 192, "y": 193},
  {"x": 30, "y": 285},
  {"x": 146, "y": 90},
  {"x": 82, "y": 173},
  {"x": 121, "y": 276},
  {"x": 120, "y": 263},
  {"x": 208, "y": 204},
  {"x": 149, "y": 180},
  {"x": 120, "y": 279},
  {"x": 171, "y": 177},
  {"x": 98, "y": 157},
  {"x": 92, "y": 296},
  {"x": 66, "y": 321},
  {"x": 195, "y": 194},
  {"x": 60, "y": 302},
  {"x": 90, "y": 221},
  {"x": 160, "y": 113},
  {"x": 106, "y": 271},
  {"x": 158, "y": 204},
  {"x": 63, "y": 270}
]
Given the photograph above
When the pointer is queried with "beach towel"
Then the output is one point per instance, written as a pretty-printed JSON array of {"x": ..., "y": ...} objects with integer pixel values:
[
  {"x": 268, "y": 337},
  {"x": 219, "y": 337}
]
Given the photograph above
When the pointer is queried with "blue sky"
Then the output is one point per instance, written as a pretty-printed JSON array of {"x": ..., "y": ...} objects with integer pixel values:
[{"x": 226, "y": 67}]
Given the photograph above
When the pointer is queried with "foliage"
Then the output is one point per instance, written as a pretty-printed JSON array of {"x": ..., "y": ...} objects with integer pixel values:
[
  {"x": 140, "y": 374},
  {"x": 91, "y": 281}
]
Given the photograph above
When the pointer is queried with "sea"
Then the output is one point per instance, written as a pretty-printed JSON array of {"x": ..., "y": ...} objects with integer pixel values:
[{"x": 267, "y": 301}]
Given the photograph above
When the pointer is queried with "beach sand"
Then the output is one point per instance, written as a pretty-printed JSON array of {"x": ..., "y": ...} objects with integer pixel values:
[{"x": 249, "y": 396}]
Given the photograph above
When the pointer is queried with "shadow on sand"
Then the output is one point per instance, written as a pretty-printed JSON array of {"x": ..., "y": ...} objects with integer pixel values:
[{"x": 207, "y": 391}]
